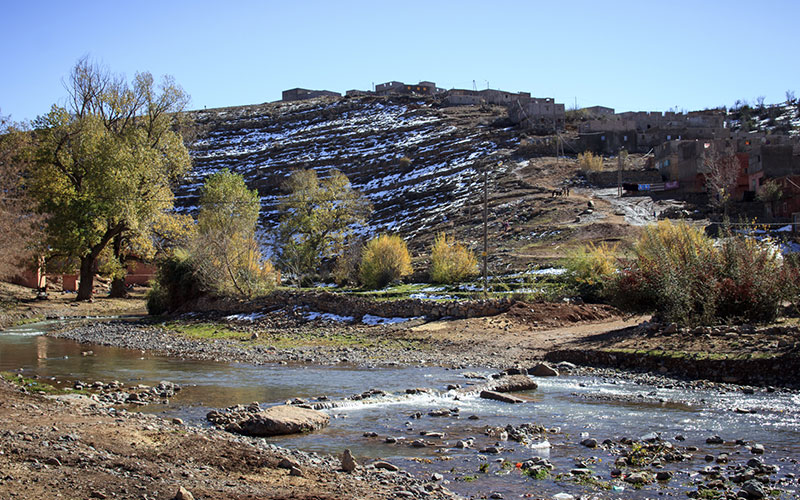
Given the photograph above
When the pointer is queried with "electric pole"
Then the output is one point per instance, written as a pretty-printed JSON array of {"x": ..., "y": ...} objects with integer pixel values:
[
  {"x": 620, "y": 161},
  {"x": 485, "y": 229}
]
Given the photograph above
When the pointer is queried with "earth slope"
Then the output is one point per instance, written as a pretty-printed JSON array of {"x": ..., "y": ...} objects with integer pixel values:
[{"x": 418, "y": 164}]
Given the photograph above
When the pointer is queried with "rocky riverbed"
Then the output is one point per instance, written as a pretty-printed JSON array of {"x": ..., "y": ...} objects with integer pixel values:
[
  {"x": 73, "y": 447},
  {"x": 491, "y": 446}
]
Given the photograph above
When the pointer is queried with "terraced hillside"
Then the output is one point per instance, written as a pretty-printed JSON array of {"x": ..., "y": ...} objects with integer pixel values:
[
  {"x": 418, "y": 164},
  {"x": 422, "y": 167}
]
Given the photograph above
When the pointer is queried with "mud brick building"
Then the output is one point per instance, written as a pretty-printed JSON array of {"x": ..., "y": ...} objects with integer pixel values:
[{"x": 301, "y": 94}]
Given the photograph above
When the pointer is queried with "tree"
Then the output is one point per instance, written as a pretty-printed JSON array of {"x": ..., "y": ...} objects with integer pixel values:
[
  {"x": 770, "y": 192},
  {"x": 722, "y": 172},
  {"x": 318, "y": 215},
  {"x": 226, "y": 254},
  {"x": 20, "y": 225},
  {"x": 106, "y": 163}
]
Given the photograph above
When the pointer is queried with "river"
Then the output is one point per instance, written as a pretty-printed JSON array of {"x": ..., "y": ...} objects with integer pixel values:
[{"x": 579, "y": 407}]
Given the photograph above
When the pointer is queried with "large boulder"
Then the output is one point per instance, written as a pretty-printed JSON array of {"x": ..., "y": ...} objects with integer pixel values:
[
  {"x": 503, "y": 398},
  {"x": 514, "y": 383},
  {"x": 543, "y": 370},
  {"x": 279, "y": 420}
]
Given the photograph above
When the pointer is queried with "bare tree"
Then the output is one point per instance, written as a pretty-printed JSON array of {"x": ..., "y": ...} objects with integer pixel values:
[
  {"x": 20, "y": 225},
  {"x": 722, "y": 171}
]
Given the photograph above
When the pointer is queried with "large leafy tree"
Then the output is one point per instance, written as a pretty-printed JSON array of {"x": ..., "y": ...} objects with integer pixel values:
[
  {"x": 106, "y": 162},
  {"x": 318, "y": 215},
  {"x": 225, "y": 253}
]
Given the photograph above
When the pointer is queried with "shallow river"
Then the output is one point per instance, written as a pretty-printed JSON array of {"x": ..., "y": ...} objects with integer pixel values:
[{"x": 580, "y": 406}]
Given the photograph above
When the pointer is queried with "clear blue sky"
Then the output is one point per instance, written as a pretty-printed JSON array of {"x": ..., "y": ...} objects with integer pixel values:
[{"x": 630, "y": 55}]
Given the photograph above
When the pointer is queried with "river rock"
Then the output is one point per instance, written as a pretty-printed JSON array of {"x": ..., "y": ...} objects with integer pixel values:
[
  {"x": 543, "y": 370},
  {"x": 757, "y": 449},
  {"x": 279, "y": 420},
  {"x": 714, "y": 440},
  {"x": 663, "y": 475},
  {"x": 514, "y": 383},
  {"x": 503, "y": 398},
  {"x": 348, "y": 462},
  {"x": 754, "y": 489},
  {"x": 637, "y": 478},
  {"x": 386, "y": 466},
  {"x": 183, "y": 494}
]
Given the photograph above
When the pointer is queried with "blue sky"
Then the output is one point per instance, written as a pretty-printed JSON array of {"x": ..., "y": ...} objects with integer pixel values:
[{"x": 630, "y": 55}]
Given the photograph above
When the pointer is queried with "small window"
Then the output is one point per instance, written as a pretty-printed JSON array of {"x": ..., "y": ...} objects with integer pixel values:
[
  {"x": 602, "y": 138},
  {"x": 624, "y": 137}
]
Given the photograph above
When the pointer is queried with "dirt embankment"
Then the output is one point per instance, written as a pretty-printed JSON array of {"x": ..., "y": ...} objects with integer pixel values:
[
  {"x": 18, "y": 304},
  {"x": 53, "y": 448}
]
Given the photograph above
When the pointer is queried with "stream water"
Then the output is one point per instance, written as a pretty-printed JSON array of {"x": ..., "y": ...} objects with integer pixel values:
[{"x": 579, "y": 406}]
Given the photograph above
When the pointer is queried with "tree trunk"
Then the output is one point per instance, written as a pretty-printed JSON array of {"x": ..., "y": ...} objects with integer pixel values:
[
  {"x": 88, "y": 262},
  {"x": 86, "y": 285},
  {"x": 118, "y": 289}
]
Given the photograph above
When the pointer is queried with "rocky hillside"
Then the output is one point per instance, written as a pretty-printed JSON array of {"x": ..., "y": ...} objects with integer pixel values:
[{"x": 419, "y": 164}]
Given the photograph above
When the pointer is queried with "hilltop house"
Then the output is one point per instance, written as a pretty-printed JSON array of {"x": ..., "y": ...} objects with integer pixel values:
[
  {"x": 299, "y": 94},
  {"x": 642, "y": 131},
  {"x": 425, "y": 88},
  {"x": 759, "y": 158}
]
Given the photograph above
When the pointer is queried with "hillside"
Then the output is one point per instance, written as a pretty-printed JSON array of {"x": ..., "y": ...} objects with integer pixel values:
[{"x": 420, "y": 164}]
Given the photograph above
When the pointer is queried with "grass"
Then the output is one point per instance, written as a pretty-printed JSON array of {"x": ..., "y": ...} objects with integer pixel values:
[
  {"x": 287, "y": 340},
  {"x": 699, "y": 355},
  {"x": 27, "y": 321},
  {"x": 33, "y": 385},
  {"x": 205, "y": 331},
  {"x": 539, "y": 474}
]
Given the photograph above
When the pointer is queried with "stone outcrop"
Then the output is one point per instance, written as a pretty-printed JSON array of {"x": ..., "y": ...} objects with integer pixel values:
[{"x": 273, "y": 421}]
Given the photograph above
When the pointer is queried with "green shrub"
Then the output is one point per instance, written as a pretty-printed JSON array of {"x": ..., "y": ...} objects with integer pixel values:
[
  {"x": 679, "y": 273},
  {"x": 451, "y": 262},
  {"x": 385, "y": 259},
  {"x": 175, "y": 285},
  {"x": 591, "y": 268}
]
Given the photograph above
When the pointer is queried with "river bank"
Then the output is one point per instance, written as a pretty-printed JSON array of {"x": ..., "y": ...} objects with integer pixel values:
[
  {"x": 71, "y": 447},
  {"x": 570, "y": 409}
]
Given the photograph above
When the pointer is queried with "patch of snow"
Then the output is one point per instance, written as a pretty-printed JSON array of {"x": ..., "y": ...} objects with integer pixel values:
[
  {"x": 425, "y": 296},
  {"x": 245, "y": 317},
  {"x": 334, "y": 318},
  {"x": 369, "y": 319}
]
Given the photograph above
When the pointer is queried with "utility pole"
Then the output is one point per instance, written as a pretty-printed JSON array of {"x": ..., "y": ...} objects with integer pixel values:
[
  {"x": 485, "y": 230},
  {"x": 619, "y": 173}
]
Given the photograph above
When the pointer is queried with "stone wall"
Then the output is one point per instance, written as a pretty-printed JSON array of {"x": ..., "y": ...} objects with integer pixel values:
[
  {"x": 783, "y": 370},
  {"x": 609, "y": 178},
  {"x": 348, "y": 305}
]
